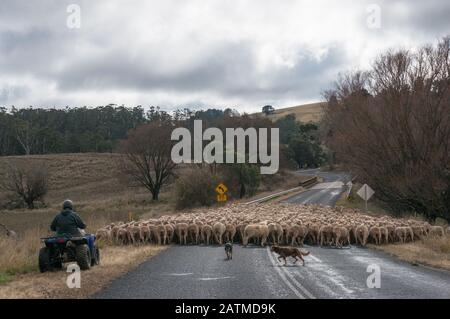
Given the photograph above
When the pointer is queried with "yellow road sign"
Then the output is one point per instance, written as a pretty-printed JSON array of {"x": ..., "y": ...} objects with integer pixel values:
[{"x": 221, "y": 189}]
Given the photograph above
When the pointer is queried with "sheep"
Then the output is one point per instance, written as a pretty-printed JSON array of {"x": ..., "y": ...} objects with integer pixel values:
[
  {"x": 298, "y": 234},
  {"x": 418, "y": 232},
  {"x": 103, "y": 235},
  {"x": 341, "y": 235},
  {"x": 276, "y": 233},
  {"x": 240, "y": 230},
  {"x": 401, "y": 233},
  {"x": 282, "y": 223},
  {"x": 170, "y": 232},
  {"x": 206, "y": 232},
  {"x": 375, "y": 234},
  {"x": 135, "y": 233},
  {"x": 230, "y": 232},
  {"x": 384, "y": 234},
  {"x": 391, "y": 232},
  {"x": 193, "y": 233},
  {"x": 182, "y": 232},
  {"x": 313, "y": 232},
  {"x": 218, "y": 231},
  {"x": 326, "y": 234},
  {"x": 257, "y": 231},
  {"x": 410, "y": 233},
  {"x": 361, "y": 234},
  {"x": 145, "y": 233},
  {"x": 123, "y": 236},
  {"x": 436, "y": 231}
]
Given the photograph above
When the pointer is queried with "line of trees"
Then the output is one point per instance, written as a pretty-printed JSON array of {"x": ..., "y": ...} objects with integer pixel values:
[
  {"x": 31, "y": 130},
  {"x": 391, "y": 127}
]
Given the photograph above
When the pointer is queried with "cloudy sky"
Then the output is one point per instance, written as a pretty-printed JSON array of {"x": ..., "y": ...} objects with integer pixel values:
[{"x": 198, "y": 53}]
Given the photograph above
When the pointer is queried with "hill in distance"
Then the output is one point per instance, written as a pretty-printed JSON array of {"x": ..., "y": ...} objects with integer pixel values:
[{"x": 305, "y": 113}]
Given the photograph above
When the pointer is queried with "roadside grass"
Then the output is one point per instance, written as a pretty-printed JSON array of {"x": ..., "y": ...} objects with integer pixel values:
[
  {"x": 374, "y": 207},
  {"x": 116, "y": 260},
  {"x": 430, "y": 251},
  {"x": 4, "y": 278}
]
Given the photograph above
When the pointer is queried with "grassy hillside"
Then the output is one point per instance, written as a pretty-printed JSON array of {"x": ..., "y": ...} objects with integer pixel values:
[
  {"x": 92, "y": 181},
  {"x": 304, "y": 113}
]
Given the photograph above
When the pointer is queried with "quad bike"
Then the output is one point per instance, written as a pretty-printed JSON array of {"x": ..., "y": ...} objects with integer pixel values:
[{"x": 58, "y": 250}]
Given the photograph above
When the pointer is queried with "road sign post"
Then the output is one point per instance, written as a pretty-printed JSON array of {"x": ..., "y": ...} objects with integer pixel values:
[{"x": 365, "y": 192}]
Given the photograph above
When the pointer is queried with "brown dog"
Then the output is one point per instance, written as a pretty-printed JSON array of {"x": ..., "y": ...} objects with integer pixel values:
[{"x": 284, "y": 252}]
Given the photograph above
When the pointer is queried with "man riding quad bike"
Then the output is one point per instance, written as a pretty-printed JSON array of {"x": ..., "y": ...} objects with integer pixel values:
[{"x": 70, "y": 244}]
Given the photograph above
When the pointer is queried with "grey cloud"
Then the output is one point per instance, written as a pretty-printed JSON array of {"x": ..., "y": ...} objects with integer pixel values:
[
  {"x": 35, "y": 43},
  {"x": 429, "y": 17},
  {"x": 11, "y": 93}
]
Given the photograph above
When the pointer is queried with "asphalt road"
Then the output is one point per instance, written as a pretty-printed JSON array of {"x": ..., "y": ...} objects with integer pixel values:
[
  {"x": 202, "y": 272},
  {"x": 326, "y": 193}
]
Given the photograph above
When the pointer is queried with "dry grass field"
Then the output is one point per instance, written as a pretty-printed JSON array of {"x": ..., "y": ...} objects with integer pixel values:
[{"x": 304, "y": 113}]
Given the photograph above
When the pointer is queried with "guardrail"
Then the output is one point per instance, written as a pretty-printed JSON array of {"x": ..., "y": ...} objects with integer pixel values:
[
  {"x": 309, "y": 182},
  {"x": 302, "y": 185}
]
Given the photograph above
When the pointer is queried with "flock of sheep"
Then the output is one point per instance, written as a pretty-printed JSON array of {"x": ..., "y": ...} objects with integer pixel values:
[{"x": 281, "y": 224}]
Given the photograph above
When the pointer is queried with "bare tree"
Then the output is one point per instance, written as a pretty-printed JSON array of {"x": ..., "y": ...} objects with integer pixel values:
[
  {"x": 27, "y": 180},
  {"x": 391, "y": 126},
  {"x": 148, "y": 156}
]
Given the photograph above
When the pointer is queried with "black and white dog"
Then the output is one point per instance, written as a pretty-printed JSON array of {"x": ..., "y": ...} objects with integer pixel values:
[{"x": 229, "y": 250}]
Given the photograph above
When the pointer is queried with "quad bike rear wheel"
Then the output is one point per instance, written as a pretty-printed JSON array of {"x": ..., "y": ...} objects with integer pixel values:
[
  {"x": 44, "y": 259},
  {"x": 96, "y": 257},
  {"x": 83, "y": 257}
]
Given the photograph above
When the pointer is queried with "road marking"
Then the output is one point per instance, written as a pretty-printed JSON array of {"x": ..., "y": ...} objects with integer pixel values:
[
  {"x": 337, "y": 184},
  {"x": 299, "y": 285},
  {"x": 333, "y": 276},
  {"x": 307, "y": 170},
  {"x": 181, "y": 274},
  {"x": 215, "y": 278},
  {"x": 315, "y": 258},
  {"x": 283, "y": 277},
  {"x": 286, "y": 281}
]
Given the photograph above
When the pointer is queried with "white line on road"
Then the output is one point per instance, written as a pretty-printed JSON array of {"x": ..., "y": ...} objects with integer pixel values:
[
  {"x": 299, "y": 285},
  {"x": 286, "y": 281},
  {"x": 337, "y": 184},
  {"x": 283, "y": 277},
  {"x": 215, "y": 278}
]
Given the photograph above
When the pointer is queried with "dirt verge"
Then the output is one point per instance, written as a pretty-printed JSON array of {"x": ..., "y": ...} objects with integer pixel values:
[{"x": 115, "y": 262}]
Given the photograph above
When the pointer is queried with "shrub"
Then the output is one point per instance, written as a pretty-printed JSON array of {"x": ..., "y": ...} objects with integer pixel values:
[
  {"x": 196, "y": 188},
  {"x": 242, "y": 179},
  {"x": 28, "y": 182}
]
